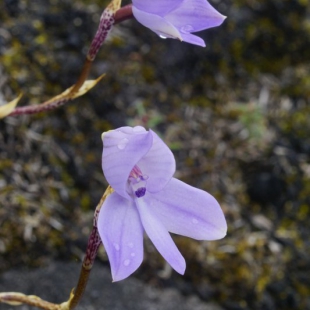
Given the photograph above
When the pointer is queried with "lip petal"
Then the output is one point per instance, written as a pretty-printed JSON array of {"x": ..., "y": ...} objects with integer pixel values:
[{"x": 159, "y": 235}]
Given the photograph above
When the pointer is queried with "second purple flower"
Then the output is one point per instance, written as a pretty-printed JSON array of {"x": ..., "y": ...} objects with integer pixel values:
[{"x": 177, "y": 19}]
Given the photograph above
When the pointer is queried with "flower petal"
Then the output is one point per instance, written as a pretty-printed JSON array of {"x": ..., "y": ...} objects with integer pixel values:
[
  {"x": 188, "y": 211},
  {"x": 156, "y": 23},
  {"x": 158, "y": 7},
  {"x": 121, "y": 233},
  {"x": 158, "y": 164},
  {"x": 122, "y": 149},
  {"x": 190, "y": 38},
  {"x": 159, "y": 235},
  {"x": 194, "y": 15}
]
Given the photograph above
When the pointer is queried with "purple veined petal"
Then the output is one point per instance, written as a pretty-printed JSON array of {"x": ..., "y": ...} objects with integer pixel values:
[
  {"x": 158, "y": 7},
  {"x": 194, "y": 15},
  {"x": 158, "y": 164},
  {"x": 156, "y": 23},
  {"x": 188, "y": 211},
  {"x": 121, "y": 233},
  {"x": 122, "y": 149},
  {"x": 191, "y": 38},
  {"x": 160, "y": 236}
]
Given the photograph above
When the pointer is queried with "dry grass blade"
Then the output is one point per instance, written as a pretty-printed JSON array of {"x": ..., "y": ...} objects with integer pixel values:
[{"x": 8, "y": 108}]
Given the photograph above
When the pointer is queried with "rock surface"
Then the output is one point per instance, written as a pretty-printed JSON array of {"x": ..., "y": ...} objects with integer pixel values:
[{"x": 53, "y": 283}]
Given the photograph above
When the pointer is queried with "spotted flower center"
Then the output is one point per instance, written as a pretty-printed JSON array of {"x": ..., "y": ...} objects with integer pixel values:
[{"x": 137, "y": 182}]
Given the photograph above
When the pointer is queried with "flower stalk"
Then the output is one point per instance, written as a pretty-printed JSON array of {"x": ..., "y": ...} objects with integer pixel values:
[
  {"x": 111, "y": 15},
  {"x": 56, "y": 101},
  {"x": 93, "y": 245},
  {"x": 105, "y": 25}
]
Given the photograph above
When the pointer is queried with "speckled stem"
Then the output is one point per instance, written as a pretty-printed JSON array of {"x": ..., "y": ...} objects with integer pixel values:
[
  {"x": 107, "y": 20},
  {"x": 94, "y": 242},
  {"x": 104, "y": 28},
  {"x": 32, "y": 109},
  {"x": 93, "y": 245}
]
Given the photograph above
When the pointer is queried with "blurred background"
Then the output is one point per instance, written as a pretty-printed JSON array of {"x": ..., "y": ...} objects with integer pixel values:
[{"x": 235, "y": 114}]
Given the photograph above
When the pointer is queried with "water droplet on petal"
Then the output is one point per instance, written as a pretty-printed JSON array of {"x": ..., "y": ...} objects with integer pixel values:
[
  {"x": 163, "y": 37},
  {"x": 133, "y": 254},
  {"x": 116, "y": 246},
  {"x": 126, "y": 262},
  {"x": 194, "y": 221},
  {"x": 130, "y": 244},
  {"x": 122, "y": 144},
  {"x": 187, "y": 29}
]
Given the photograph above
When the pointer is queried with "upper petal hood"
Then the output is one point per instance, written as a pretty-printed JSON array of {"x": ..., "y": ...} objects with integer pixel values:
[
  {"x": 126, "y": 147},
  {"x": 158, "y": 164},
  {"x": 122, "y": 149}
]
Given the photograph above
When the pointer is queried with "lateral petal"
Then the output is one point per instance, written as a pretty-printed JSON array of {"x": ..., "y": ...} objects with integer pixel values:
[
  {"x": 122, "y": 149},
  {"x": 156, "y": 23},
  {"x": 158, "y": 164},
  {"x": 159, "y": 235},
  {"x": 195, "y": 15},
  {"x": 193, "y": 39},
  {"x": 188, "y": 211},
  {"x": 121, "y": 233}
]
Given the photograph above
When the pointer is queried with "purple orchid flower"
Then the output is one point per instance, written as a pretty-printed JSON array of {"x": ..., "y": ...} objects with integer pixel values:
[
  {"x": 177, "y": 19},
  {"x": 139, "y": 167}
]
